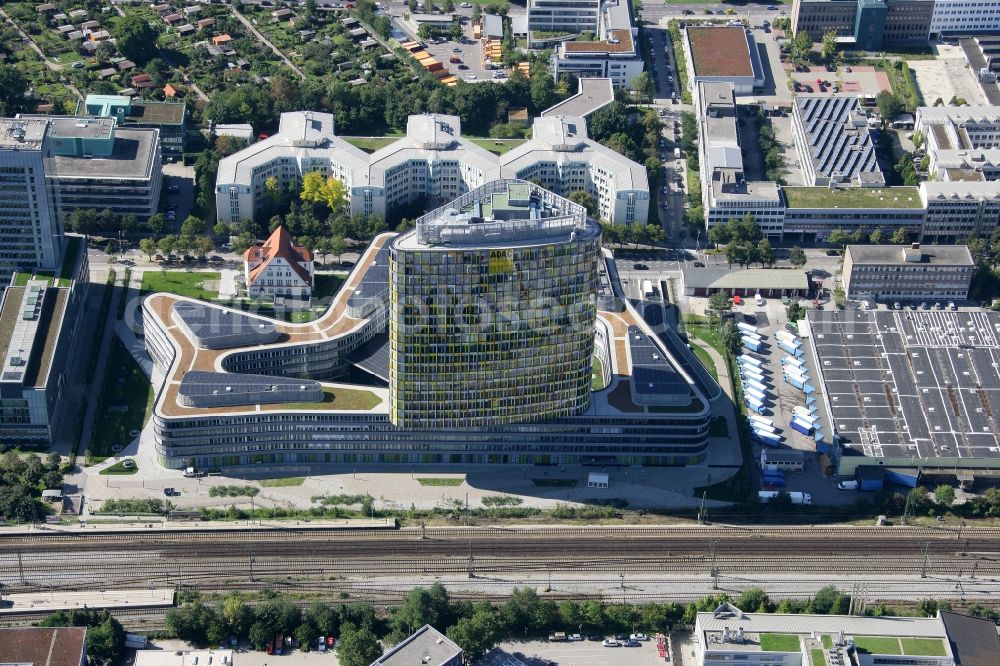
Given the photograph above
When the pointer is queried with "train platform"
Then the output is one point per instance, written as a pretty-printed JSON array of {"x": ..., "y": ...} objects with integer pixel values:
[
  {"x": 150, "y": 524},
  {"x": 39, "y": 602}
]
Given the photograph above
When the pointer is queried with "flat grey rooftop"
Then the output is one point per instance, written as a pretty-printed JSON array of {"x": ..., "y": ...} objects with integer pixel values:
[
  {"x": 426, "y": 646},
  {"x": 81, "y": 128},
  {"x": 912, "y": 384},
  {"x": 23, "y": 134},
  {"x": 374, "y": 282},
  {"x": 946, "y": 255},
  {"x": 216, "y": 388},
  {"x": 652, "y": 372},
  {"x": 594, "y": 94},
  {"x": 132, "y": 157},
  {"x": 221, "y": 328}
]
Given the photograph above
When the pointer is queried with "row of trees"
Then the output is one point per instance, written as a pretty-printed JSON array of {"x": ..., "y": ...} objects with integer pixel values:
[
  {"x": 841, "y": 238},
  {"x": 638, "y": 234},
  {"x": 475, "y": 627},
  {"x": 744, "y": 242}
]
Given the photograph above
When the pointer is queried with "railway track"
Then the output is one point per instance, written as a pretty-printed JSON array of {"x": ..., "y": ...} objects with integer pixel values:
[{"x": 216, "y": 560}]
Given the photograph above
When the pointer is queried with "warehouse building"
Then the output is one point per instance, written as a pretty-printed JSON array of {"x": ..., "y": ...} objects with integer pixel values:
[
  {"x": 921, "y": 273},
  {"x": 912, "y": 391},
  {"x": 426, "y": 646},
  {"x": 768, "y": 282}
]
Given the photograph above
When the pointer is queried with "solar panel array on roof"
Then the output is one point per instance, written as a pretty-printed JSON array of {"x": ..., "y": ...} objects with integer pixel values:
[
  {"x": 910, "y": 383},
  {"x": 652, "y": 373},
  {"x": 221, "y": 328},
  {"x": 214, "y": 389},
  {"x": 836, "y": 132}
]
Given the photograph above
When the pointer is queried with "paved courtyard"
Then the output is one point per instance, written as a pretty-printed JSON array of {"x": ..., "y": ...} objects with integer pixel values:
[{"x": 862, "y": 80}]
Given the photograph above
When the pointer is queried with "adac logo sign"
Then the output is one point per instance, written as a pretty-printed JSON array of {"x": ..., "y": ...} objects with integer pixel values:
[{"x": 501, "y": 261}]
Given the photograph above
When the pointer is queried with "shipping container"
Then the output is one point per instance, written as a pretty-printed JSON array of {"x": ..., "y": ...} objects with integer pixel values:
[
  {"x": 806, "y": 414},
  {"x": 794, "y": 362},
  {"x": 794, "y": 351},
  {"x": 794, "y": 381},
  {"x": 747, "y": 359},
  {"x": 797, "y": 497},
  {"x": 799, "y": 426},
  {"x": 757, "y": 386},
  {"x": 767, "y": 439},
  {"x": 760, "y": 427},
  {"x": 753, "y": 336},
  {"x": 752, "y": 376},
  {"x": 752, "y": 345},
  {"x": 760, "y": 396},
  {"x": 772, "y": 482},
  {"x": 763, "y": 420},
  {"x": 787, "y": 338},
  {"x": 754, "y": 405},
  {"x": 747, "y": 328},
  {"x": 772, "y": 472}
]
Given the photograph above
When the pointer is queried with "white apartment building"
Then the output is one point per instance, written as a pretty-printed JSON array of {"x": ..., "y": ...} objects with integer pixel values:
[
  {"x": 726, "y": 193},
  {"x": 568, "y": 16},
  {"x": 31, "y": 233},
  {"x": 433, "y": 163},
  {"x": 959, "y": 127},
  {"x": 956, "y": 17},
  {"x": 614, "y": 54},
  {"x": 957, "y": 209}
]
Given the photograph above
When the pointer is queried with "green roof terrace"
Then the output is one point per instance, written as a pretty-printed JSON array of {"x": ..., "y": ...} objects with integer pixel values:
[{"x": 855, "y": 197}]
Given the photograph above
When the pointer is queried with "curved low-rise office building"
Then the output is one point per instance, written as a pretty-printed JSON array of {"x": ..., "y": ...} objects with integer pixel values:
[{"x": 239, "y": 389}]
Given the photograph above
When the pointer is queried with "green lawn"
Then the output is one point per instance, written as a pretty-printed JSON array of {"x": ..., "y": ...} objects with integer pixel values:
[
  {"x": 706, "y": 333},
  {"x": 706, "y": 360},
  {"x": 877, "y": 644},
  {"x": 181, "y": 283},
  {"x": 120, "y": 468},
  {"x": 923, "y": 647},
  {"x": 779, "y": 643},
  {"x": 827, "y": 641},
  {"x": 818, "y": 659},
  {"x": 125, "y": 401},
  {"x": 857, "y": 197},
  {"x": 370, "y": 144},
  {"x": 339, "y": 398},
  {"x": 555, "y": 483},
  {"x": 326, "y": 286},
  {"x": 285, "y": 482},
  {"x": 439, "y": 481},
  {"x": 498, "y": 146},
  {"x": 597, "y": 379}
]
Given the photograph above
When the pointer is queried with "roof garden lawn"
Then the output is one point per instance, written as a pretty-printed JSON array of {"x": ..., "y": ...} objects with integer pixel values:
[
  {"x": 817, "y": 657},
  {"x": 779, "y": 643},
  {"x": 339, "y": 398},
  {"x": 181, "y": 283},
  {"x": 855, "y": 197},
  {"x": 370, "y": 144},
  {"x": 498, "y": 146},
  {"x": 923, "y": 647},
  {"x": 877, "y": 644}
]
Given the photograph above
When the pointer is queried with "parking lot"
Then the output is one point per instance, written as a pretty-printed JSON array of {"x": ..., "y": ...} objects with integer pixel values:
[
  {"x": 583, "y": 653},
  {"x": 861, "y": 80},
  {"x": 470, "y": 53}
]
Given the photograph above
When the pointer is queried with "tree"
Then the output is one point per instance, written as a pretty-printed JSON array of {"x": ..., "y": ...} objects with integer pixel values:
[
  {"x": 135, "y": 38},
  {"x": 148, "y": 247},
  {"x": 13, "y": 86},
  {"x": 838, "y": 238},
  {"x": 358, "y": 647},
  {"x": 719, "y": 302},
  {"x": 754, "y": 599},
  {"x": 765, "y": 253},
  {"x": 889, "y": 106},
  {"x": 802, "y": 45},
  {"x": 157, "y": 223},
  {"x": 794, "y": 311},
  {"x": 839, "y": 298},
  {"x": 797, "y": 257},
  {"x": 477, "y": 12},
  {"x": 192, "y": 226},
  {"x": 191, "y": 622},
  {"x": 243, "y": 242},
  {"x": 643, "y": 87},
  {"x": 382, "y": 25},
  {"x": 829, "y": 45},
  {"x": 424, "y": 32},
  {"x": 876, "y": 237},
  {"x": 329, "y": 192},
  {"x": 338, "y": 246},
  {"x": 898, "y": 236},
  {"x": 235, "y": 614},
  {"x": 584, "y": 199},
  {"x": 203, "y": 245},
  {"x": 411, "y": 5},
  {"x": 167, "y": 244},
  {"x": 944, "y": 495}
]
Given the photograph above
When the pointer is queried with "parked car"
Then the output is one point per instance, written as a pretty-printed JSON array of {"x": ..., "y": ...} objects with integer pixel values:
[
  {"x": 456, "y": 50},
  {"x": 951, "y": 306},
  {"x": 640, "y": 267},
  {"x": 897, "y": 306},
  {"x": 595, "y": 638},
  {"x": 847, "y": 485},
  {"x": 632, "y": 643},
  {"x": 639, "y": 637},
  {"x": 174, "y": 189},
  {"x": 463, "y": 67},
  {"x": 610, "y": 642},
  {"x": 575, "y": 637}
]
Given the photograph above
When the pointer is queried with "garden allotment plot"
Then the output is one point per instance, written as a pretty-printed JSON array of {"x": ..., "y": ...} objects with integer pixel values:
[{"x": 912, "y": 384}]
